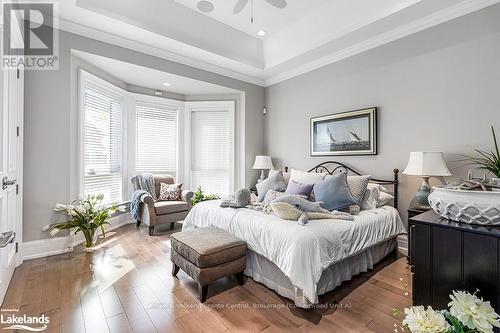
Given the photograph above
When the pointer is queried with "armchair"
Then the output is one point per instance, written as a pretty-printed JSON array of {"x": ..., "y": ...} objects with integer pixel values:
[{"x": 153, "y": 212}]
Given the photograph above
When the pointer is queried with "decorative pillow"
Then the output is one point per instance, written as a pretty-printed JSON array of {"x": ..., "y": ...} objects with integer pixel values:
[
  {"x": 358, "y": 186},
  {"x": 286, "y": 175},
  {"x": 370, "y": 199},
  {"x": 306, "y": 177},
  {"x": 275, "y": 182},
  {"x": 334, "y": 192},
  {"x": 376, "y": 196},
  {"x": 384, "y": 199},
  {"x": 170, "y": 192},
  {"x": 295, "y": 187}
]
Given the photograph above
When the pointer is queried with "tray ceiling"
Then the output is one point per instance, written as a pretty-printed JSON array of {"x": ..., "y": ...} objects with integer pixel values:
[{"x": 304, "y": 36}]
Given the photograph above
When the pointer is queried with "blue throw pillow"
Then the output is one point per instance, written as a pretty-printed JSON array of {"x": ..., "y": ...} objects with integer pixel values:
[{"x": 334, "y": 192}]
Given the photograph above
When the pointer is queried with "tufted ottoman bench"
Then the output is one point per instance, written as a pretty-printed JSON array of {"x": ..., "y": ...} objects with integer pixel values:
[{"x": 207, "y": 254}]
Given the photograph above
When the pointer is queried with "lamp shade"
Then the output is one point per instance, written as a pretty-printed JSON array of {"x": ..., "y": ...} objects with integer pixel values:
[
  {"x": 423, "y": 163},
  {"x": 263, "y": 163}
]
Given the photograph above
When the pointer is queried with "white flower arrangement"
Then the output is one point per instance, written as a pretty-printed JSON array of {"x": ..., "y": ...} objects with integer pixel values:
[
  {"x": 86, "y": 215},
  {"x": 468, "y": 314}
]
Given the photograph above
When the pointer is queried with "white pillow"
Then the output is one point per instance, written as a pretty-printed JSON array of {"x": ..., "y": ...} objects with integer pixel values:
[
  {"x": 384, "y": 199},
  {"x": 375, "y": 196},
  {"x": 370, "y": 199},
  {"x": 286, "y": 175},
  {"x": 304, "y": 177}
]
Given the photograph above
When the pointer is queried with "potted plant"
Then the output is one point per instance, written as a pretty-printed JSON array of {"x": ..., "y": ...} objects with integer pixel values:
[
  {"x": 467, "y": 314},
  {"x": 487, "y": 160},
  {"x": 88, "y": 216},
  {"x": 199, "y": 196}
]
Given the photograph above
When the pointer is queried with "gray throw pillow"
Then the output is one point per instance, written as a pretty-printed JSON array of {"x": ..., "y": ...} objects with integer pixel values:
[
  {"x": 275, "y": 182},
  {"x": 358, "y": 186},
  {"x": 334, "y": 192}
]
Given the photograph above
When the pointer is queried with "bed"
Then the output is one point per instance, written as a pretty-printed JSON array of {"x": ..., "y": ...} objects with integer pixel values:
[{"x": 303, "y": 262}]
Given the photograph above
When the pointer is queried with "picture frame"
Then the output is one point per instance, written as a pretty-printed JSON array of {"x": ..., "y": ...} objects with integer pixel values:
[{"x": 344, "y": 134}]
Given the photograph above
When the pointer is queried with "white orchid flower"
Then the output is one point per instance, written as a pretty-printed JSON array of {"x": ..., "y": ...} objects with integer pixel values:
[
  {"x": 54, "y": 232},
  {"x": 60, "y": 207}
]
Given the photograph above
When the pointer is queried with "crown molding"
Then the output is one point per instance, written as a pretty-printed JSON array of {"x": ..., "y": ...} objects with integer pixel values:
[
  {"x": 463, "y": 8},
  {"x": 110, "y": 38},
  {"x": 426, "y": 22}
]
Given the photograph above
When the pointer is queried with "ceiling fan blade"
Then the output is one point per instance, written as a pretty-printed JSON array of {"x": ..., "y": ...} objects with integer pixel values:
[
  {"x": 240, "y": 5},
  {"x": 278, "y": 3}
]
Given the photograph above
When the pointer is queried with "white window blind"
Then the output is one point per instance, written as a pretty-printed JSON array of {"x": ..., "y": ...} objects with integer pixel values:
[
  {"x": 156, "y": 138},
  {"x": 102, "y": 144},
  {"x": 211, "y": 155}
]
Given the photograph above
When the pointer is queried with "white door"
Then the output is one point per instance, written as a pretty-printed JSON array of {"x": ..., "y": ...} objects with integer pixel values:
[{"x": 11, "y": 117}]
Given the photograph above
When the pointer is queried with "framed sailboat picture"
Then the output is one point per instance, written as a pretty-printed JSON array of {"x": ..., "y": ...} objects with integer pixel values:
[{"x": 347, "y": 133}]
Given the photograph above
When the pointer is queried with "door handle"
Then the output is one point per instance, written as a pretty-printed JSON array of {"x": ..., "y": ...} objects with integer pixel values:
[
  {"x": 7, "y": 238},
  {"x": 6, "y": 182}
]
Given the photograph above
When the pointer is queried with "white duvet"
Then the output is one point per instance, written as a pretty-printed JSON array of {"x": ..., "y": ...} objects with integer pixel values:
[{"x": 301, "y": 252}]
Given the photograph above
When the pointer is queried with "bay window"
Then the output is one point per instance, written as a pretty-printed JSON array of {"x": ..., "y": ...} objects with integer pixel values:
[{"x": 123, "y": 134}]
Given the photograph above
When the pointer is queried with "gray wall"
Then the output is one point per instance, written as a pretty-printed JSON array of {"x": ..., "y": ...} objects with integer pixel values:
[
  {"x": 437, "y": 90},
  {"x": 48, "y": 147}
]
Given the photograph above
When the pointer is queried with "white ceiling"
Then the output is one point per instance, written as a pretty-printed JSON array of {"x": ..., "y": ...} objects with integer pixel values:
[
  {"x": 306, "y": 35},
  {"x": 266, "y": 17},
  {"x": 150, "y": 78}
]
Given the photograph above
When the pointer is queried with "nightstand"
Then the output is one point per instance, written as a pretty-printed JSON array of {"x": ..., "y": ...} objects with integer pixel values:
[
  {"x": 417, "y": 210},
  {"x": 254, "y": 190},
  {"x": 447, "y": 256},
  {"x": 412, "y": 212}
]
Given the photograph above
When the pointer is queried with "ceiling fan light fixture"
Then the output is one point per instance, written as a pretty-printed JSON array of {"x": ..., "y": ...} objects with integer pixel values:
[{"x": 205, "y": 6}]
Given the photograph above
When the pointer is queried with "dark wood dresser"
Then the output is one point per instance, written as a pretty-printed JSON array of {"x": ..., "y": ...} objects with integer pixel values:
[{"x": 446, "y": 255}]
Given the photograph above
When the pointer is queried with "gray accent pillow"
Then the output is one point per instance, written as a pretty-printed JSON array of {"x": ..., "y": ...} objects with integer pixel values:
[
  {"x": 358, "y": 186},
  {"x": 275, "y": 182},
  {"x": 334, "y": 192}
]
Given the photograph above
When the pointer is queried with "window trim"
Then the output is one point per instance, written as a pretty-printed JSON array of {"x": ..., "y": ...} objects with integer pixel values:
[{"x": 200, "y": 106}]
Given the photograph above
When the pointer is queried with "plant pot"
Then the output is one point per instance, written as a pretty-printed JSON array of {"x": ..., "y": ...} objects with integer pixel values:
[{"x": 475, "y": 207}]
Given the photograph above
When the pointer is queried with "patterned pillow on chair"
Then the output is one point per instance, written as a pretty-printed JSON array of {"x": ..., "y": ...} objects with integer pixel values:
[{"x": 170, "y": 192}]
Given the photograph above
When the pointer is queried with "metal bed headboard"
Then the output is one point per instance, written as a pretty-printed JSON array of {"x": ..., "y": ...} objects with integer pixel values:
[{"x": 332, "y": 167}]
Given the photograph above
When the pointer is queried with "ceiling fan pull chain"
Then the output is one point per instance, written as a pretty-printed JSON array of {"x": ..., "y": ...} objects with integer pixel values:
[{"x": 251, "y": 4}]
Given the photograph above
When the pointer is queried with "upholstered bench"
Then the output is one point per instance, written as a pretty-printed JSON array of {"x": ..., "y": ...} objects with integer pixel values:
[{"x": 207, "y": 254}]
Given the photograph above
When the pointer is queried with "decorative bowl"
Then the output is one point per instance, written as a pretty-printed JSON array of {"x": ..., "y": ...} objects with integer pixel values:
[{"x": 475, "y": 207}]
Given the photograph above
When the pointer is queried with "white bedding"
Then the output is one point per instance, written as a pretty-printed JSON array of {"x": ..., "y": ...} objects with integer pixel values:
[{"x": 301, "y": 252}]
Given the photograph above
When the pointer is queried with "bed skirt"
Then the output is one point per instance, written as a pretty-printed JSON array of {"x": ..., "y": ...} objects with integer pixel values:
[{"x": 264, "y": 271}]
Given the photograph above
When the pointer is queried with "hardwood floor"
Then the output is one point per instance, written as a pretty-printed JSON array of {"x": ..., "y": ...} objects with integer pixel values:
[{"x": 126, "y": 286}]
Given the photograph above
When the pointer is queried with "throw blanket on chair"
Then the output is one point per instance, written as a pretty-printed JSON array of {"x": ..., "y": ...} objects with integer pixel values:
[{"x": 145, "y": 185}]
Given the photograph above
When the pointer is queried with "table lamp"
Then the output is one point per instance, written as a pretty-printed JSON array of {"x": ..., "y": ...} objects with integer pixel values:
[
  {"x": 426, "y": 164},
  {"x": 263, "y": 163}
]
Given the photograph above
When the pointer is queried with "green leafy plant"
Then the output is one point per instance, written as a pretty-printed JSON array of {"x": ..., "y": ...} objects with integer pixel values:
[
  {"x": 199, "y": 196},
  {"x": 88, "y": 216},
  {"x": 487, "y": 160}
]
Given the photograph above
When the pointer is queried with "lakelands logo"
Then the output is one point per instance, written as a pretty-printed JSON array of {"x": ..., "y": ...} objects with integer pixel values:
[
  {"x": 23, "y": 322},
  {"x": 30, "y": 35}
]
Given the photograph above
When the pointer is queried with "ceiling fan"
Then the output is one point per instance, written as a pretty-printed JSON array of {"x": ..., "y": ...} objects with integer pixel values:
[{"x": 241, "y": 4}]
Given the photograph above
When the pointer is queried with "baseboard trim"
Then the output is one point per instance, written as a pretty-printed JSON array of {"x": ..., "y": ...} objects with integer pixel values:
[{"x": 59, "y": 245}]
